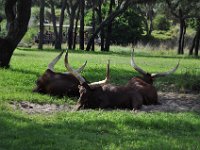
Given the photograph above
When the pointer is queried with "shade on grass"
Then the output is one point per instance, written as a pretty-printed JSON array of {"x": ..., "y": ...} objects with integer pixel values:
[{"x": 99, "y": 130}]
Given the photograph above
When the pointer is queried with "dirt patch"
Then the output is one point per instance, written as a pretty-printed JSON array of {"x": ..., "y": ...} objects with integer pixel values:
[
  {"x": 40, "y": 108},
  {"x": 175, "y": 102},
  {"x": 170, "y": 102}
]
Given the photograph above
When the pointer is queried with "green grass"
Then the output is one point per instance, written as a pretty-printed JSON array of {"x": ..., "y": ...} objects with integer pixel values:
[
  {"x": 17, "y": 82},
  {"x": 99, "y": 130},
  {"x": 96, "y": 129}
]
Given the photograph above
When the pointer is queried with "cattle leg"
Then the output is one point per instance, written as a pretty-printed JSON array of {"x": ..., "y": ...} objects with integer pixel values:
[
  {"x": 136, "y": 102},
  {"x": 77, "y": 107}
]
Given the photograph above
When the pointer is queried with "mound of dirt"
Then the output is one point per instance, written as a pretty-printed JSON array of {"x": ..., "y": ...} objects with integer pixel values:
[{"x": 170, "y": 102}]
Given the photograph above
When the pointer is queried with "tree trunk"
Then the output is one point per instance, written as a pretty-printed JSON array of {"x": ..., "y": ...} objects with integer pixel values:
[
  {"x": 81, "y": 32},
  {"x": 70, "y": 30},
  {"x": 58, "y": 42},
  {"x": 76, "y": 28},
  {"x": 93, "y": 27},
  {"x": 197, "y": 42},
  {"x": 1, "y": 18},
  {"x": 18, "y": 23},
  {"x": 102, "y": 34},
  {"x": 109, "y": 29},
  {"x": 151, "y": 23},
  {"x": 193, "y": 44},
  {"x": 197, "y": 48},
  {"x": 72, "y": 15},
  {"x": 182, "y": 33},
  {"x": 41, "y": 35},
  {"x": 6, "y": 51},
  {"x": 53, "y": 16},
  {"x": 181, "y": 37}
]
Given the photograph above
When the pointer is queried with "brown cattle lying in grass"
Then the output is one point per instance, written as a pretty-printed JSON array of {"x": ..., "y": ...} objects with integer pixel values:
[
  {"x": 133, "y": 95},
  {"x": 58, "y": 84},
  {"x": 144, "y": 85}
]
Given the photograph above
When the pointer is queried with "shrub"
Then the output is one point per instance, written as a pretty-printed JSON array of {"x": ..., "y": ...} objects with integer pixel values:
[
  {"x": 3, "y": 31},
  {"x": 88, "y": 18},
  {"x": 35, "y": 11},
  {"x": 161, "y": 23},
  {"x": 127, "y": 28},
  {"x": 28, "y": 38}
]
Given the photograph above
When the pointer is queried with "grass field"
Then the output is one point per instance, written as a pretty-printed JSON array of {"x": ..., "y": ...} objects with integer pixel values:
[{"x": 96, "y": 129}]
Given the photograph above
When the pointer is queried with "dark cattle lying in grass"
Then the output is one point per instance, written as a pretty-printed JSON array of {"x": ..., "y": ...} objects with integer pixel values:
[
  {"x": 58, "y": 84},
  {"x": 144, "y": 85},
  {"x": 137, "y": 92}
]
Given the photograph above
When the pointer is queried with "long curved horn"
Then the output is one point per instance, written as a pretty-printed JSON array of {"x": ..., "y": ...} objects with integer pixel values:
[
  {"x": 81, "y": 79},
  {"x": 162, "y": 74},
  {"x": 72, "y": 71},
  {"x": 79, "y": 70},
  {"x": 133, "y": 64},
  {"x": 106, "y": 80},
  {"x": 54, "y": 61}
]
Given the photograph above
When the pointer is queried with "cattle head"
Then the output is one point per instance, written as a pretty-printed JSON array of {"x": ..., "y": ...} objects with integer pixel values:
[
  {"x": 149, "y": 77},
  {"x": 87, "y": 97},
  {"x": 144, "y": 85},
  {"x": 58, "y": 84}
]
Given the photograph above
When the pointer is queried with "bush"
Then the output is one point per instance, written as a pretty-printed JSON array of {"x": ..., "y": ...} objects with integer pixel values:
[
  {"x": 28, "y": 38},
  {"x": 35, "y": 12},
  {"x": 3, "y": 31},
  {"x": 88, "y": 18},
  {"x": 127, "y": 28},
  {"x": 2, "y": 8},
  {"x": 161, "y": 23}
]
